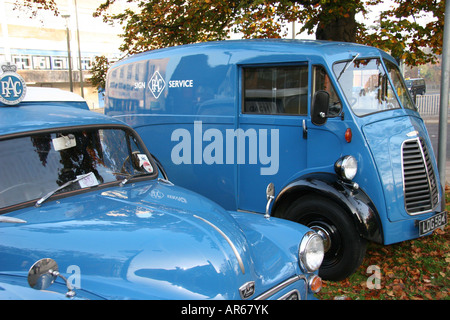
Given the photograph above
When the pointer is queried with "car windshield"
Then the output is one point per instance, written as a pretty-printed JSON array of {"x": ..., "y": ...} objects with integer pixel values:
[
  {"x": 37, "y": 166},
  {"x": 367, "y": 86}
]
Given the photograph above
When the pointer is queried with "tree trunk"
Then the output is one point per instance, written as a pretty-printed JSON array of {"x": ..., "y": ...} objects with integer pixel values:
[{"x": 337, "y": 28}]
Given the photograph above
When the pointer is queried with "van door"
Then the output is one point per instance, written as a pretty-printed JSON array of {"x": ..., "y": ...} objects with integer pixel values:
[
  {"x": 282, "y": 143},
  {"x": 274, "y": 108},
  {"x": 324, "y": 145}
]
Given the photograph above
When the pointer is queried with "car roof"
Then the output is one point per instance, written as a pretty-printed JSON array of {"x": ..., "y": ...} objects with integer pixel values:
[{"x": 39, "y": 116}]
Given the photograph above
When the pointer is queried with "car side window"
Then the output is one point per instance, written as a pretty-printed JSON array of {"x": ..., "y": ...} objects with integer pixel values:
[
  {"x": 275, "y": 90},
  {"x": 321, "y": 81}
]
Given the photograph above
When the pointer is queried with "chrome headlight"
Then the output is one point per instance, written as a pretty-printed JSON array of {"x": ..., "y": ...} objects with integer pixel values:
[
  {"x": 311, "y": 252},
  {"x": 346, "y": 167}
]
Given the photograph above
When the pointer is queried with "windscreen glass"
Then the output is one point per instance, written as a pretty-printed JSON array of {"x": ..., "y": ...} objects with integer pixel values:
[
  {"x": 366, "y": 86},
  {"x": 36, "y": 165}
]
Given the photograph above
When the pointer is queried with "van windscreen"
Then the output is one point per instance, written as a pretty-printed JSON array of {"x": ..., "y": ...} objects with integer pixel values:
[{"x": 366, "y": 86}]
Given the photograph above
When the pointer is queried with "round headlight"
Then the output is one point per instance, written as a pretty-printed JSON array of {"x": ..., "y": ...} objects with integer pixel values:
[
  {"x": 346, "y": 167},
  {"x": 311, "y": 252}
]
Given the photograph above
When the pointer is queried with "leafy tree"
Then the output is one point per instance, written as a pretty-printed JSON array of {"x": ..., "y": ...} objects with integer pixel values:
[
  {"x": 151, "y": 24},
  {"x": 99, "y": 68},
  {"x": 157, "y": 24},
  {"x": 35, "y": 5},
  {"x": 401, "y": 33}
]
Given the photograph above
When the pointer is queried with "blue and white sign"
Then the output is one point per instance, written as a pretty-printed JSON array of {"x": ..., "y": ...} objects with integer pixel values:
[
  {"x": 12, "y": 85},
  {"x": 156, "y": 84}
]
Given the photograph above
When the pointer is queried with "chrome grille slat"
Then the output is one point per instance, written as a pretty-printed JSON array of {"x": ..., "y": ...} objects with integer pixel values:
[{"x": 419, "y": 181}]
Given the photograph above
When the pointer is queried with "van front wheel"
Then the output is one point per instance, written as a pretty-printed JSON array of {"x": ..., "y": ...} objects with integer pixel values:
[{"x": 344, "y": 248}]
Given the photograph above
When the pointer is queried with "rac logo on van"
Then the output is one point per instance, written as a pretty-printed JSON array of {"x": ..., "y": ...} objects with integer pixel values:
[
  {"x": 156, "y": 84},
  {"x": 221, "y": 150}
]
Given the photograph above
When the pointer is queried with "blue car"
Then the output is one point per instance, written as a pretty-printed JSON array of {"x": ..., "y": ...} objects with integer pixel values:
[{"x": 87, "y": 213}]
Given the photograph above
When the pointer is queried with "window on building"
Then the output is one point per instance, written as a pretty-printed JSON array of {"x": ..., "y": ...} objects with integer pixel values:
[
  {"x": 22, "y": 62},
  {"x": 41, "y": 63},
  {"x": 59, "y": 63},
  {"x": 86, "y": 63}
]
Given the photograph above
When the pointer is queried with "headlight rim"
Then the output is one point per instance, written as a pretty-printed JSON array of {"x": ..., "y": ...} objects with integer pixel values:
[
  {"x": 305, "y": 265},
  {"x": 341, "y": 167}
]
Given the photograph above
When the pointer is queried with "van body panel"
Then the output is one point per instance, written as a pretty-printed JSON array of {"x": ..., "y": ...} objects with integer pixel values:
[{"x": 386, "y": 149}]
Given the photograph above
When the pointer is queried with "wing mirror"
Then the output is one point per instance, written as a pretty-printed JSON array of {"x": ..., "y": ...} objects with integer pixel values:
[
  {"x": 43, "y": 274},
  {"x": 319, "y": 108}
]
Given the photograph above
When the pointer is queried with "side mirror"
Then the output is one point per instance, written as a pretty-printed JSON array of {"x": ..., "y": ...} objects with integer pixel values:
[
  {"x": 43, "y": 274},
  {"x": 319, "y": 108},
  {"x": 270, "y": 194}
]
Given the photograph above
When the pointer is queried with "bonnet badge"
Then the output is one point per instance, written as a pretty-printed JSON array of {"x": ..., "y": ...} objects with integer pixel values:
[{"x": 247, "y": 289}]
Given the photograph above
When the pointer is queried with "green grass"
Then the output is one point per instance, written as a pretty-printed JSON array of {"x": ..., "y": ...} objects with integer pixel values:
[{"x": 411, "y": 270}]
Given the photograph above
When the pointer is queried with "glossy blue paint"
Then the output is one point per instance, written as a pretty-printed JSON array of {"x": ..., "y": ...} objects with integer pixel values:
[
  {"x": 143, "y": 241},
  {"x": 159, "y": 105},
  {"x": 140, "y": 239},
  {"x": 13, "y": 287}
]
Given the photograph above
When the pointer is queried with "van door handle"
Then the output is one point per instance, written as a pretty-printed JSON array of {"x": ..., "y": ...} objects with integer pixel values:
[{"x": 305, "y": 129}]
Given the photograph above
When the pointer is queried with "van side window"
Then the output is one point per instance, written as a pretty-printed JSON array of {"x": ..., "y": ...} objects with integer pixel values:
[
  {"x": 276, "y": 90},
  {"x": 321, "y": 81}
]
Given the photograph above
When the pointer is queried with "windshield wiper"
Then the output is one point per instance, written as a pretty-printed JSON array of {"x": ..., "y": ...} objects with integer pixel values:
[
  {"x": 132, "y": 176},
  {"x": 348, "y": 65},
  {"x": 68, "y": 183},
  {"x": 128, "y": 176}
]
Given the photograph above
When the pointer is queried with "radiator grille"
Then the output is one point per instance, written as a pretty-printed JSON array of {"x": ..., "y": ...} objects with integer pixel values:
[{"x": 419, "y": 180}]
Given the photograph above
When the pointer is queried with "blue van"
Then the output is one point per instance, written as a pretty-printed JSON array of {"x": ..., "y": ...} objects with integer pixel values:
[
  {"x": 87, "y": 213},
  {"x": 331, "y": 126}
]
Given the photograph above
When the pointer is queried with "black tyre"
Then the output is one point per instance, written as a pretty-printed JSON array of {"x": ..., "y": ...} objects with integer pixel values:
[{"x": 344, "y": 248}]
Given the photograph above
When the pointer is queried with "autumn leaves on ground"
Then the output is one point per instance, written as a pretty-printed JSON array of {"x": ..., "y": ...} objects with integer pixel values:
[{"x": 411, "y": 270}]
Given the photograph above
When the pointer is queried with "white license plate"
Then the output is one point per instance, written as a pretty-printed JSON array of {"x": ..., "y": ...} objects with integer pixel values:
[{"x": 432, "y": 223}]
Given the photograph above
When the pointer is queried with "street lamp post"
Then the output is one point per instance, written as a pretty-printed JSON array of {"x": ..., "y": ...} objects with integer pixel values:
[
  {"x": 69, "y": 58},
  {"x": 79, "y": 50},
  {"x": 445, "y": 83}
]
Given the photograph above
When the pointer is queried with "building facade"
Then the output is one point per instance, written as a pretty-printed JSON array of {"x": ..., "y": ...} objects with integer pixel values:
[{"x": 48, "y": 49}]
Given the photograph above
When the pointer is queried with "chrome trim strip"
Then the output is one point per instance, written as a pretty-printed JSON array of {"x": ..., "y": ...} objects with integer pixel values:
[
  {"x": 281, "y": 286},
  {"x": 5, "y": 219},
  {"x": 233, "y": 247}
]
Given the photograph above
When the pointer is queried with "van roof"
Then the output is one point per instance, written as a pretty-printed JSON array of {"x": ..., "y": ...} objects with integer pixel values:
[{"x": 276, "y": 50}]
